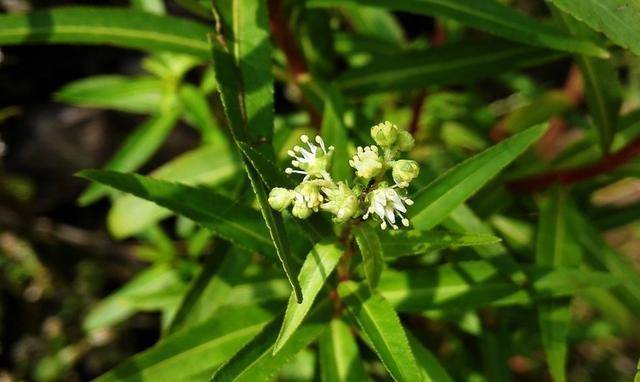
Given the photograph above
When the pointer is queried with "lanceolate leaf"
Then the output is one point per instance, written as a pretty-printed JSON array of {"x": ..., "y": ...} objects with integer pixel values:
[
  {"x": 210, "y": 289},
  {"x": 473, "y": 284},
  {"x": 131, "y": 94},
  {"x": 371, "y": 251},
  {"x": 317, "y": 267},
  {"x": 194, "y": 351},
  {"x": 380, "y": 322},
  {"x": 432, "y": 370},
  {"x": 435, "y": 201},
  {"x": 234, "y": 222},
  {"x": 101, "y": 25},
  {"x": 602, "y": 256},
  {"x": 487, "y": 15},
  {"x": 210, "y": 164},
  {"x": 602, "y": 88},
  {"x": 555, "y": 248},
  {"x": 257, "y": 361},
  {"x": 136, "y": 150},
  {"x": 151, "y": 289},
  {"x": 247, "y": 97},
  {"x": 463, "y": 219},
  {"x": 453, "y": 64},
  {"x": 405, "y": 243},
  {"x": 618, "y": 20},
  {"x": 339, "y": 356}
]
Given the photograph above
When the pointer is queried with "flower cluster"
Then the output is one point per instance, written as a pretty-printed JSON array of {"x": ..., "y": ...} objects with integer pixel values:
[{"x": 370, "y": 195}]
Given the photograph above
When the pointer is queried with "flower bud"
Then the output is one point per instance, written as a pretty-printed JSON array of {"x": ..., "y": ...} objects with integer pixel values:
[
  {"x": 367, "y": 162},
  {"x": 280, "y": 198},
  {"x": 405, "y": 141},
  {"x": 404, "y": 171},
  {"x": 342, "y": 202},
  {"x": 300, "y": 209},
  {"x": 384, "y": 134},
  {"x": 309, "y": 191}
]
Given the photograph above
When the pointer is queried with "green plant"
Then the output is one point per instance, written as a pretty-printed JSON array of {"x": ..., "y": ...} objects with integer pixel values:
[{"x": 496, "y": 215}]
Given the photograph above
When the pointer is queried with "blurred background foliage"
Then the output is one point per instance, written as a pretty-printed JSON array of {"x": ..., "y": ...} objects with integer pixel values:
[{"x": 90, "y": 276}]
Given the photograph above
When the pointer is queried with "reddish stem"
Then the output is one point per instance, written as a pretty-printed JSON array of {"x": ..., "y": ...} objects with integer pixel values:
[{"x": 606, "y": 164}]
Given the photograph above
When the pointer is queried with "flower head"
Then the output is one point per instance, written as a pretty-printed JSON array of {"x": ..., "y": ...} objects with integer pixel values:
[
  {"x": 312, "y": 162},
  {"x": 404, "y": 171},
  {"x": 367, "y": 162},
  {"x": 385, "y": 134},
  {"x": 341, "y": 201},
  {"x": 386, "y": 203}
]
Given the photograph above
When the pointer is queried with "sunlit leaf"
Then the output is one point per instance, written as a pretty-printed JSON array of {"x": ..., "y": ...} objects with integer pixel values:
[{"x": 100, "y": 25}]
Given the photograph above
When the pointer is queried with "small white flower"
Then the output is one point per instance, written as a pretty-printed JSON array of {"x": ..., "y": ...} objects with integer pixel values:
[
  {"x": 386, "y": 203},
  {"x": 367, "y": 162},
  {"x": 313, "y": 163},
  {"x": 342, "y": 202}
]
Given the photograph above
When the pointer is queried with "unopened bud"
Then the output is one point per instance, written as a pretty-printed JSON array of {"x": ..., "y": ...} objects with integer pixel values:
[
  {"x": 404, "y": 171},
  {"x": 405, "y": 141},
  {"x": 280, "y": 198},
  {"x": 384, "y": 134}
]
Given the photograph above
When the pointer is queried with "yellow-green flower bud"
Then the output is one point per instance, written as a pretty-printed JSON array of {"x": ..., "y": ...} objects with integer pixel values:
[
  {"x": 405, "y": 141},
  {"x": 300, "y": 209},
  {"x": 310, "y": 193},
  {"x": 280, "y": 198},
  {"x": 367, "y": 162},
  {"x": 342, "y": 202},
  {"x": 404, "y": 171},
  {"x": 384, "y": 134}
]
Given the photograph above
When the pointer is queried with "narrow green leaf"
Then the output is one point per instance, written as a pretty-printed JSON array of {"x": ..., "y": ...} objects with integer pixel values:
[
  {"x": 430, "y": 367},
  {"x": 227, "y": 219},
  {"x": 637, "y": 378},
  {"x": 473, "y": 284},
  {"x": 317, "y": 267},
  {"x": 199, "y": 114},
  {"x": 490, "y": 16},
  {"x": 339, "y": 356},
  {"x": 122, "y": 93},
  {"x": 209, "y": 291},
  {"x": 151, "y": 6},
  {"x": 372, "y": 253},
  {"x": 240, "y": 122},
  {"x": 406, "y": 243},
  {"x": 539, "y": 110},
  {"x": 135, "y": 151},
  {"x": 257, "y": 361},
  {"x": 380, "y": 322},
  {"x": 438, "y": 199},
  {"x": 455, "y": 64},
  {"x": 190, "y": 353},
  {"x": 252, "y": 51},
  {"x": 618, "y": 20},
  {"x": 600, "y": 255},
  {"x": 334, "y": 131},
  {"x": 150, "y": 290},
  {"x": 602, "y": 88},
  {"x": 375, "y": 22},
  {"x": 101, "y": 25},
  {"x": 210, "y": 164}
]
